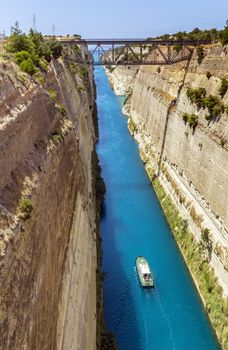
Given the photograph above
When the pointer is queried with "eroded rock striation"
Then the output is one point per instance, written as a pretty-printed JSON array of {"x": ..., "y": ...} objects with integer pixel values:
[{"x": 48, "y": 211}]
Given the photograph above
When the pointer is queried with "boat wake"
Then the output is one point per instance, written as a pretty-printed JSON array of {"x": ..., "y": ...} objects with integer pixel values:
[
  {"x": 166, "y": 317},
  {"x": 144, "y": 318}
]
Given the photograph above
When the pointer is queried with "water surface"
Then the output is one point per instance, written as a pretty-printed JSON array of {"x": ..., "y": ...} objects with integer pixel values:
[{"x": 171, "y": 315}]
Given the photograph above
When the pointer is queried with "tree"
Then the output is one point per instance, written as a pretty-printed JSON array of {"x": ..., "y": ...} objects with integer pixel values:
[
  {"x": 56, "y": 49},
  {"x": 32, "y": 52},
  {"x": 16, "y": 29},
  {"x": 18, "y": 42},
  {"x": 28, "y": 66},
  {"x": 196, "y": 31},
  {"x": 21, "y": 56},
  {"x": 224, "y": 36}
]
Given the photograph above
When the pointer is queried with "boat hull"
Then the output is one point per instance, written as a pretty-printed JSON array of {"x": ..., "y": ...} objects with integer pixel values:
[{"x": 141, "y": 263}]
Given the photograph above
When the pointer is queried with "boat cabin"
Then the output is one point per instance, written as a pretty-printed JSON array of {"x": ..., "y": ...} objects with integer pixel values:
[
  {"x": 145, "y": 272},
  {"x": 147, "y": 276}
]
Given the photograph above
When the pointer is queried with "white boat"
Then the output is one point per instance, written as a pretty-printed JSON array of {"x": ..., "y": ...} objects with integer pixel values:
[{"x": 144, "y": 272}]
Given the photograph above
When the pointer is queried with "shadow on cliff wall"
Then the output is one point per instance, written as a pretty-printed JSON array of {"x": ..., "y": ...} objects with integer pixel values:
[
  {"x": 165, "y": 134},
  {"x": 171, "y": 105}
]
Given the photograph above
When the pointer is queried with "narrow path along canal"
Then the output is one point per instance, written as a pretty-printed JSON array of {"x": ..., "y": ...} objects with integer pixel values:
[{"x": 170, "y": 316}]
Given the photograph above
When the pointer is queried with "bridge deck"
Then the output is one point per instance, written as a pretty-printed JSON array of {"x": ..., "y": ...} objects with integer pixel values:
[
  {"x": 137, "y": 51},
  {"x": 134, "y": 41}
]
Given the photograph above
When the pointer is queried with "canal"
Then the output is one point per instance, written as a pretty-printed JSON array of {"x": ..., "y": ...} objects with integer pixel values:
[{"x": 171, "y": 315}]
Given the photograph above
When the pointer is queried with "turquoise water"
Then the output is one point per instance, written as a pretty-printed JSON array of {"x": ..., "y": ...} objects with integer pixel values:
[{"x": 170, "y": 316}]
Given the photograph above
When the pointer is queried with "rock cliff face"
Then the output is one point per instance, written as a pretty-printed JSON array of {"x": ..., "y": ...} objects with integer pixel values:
[
  {"x": 191, "y": 163},
  {"x": 122, "y": 79},
  {"x": 48, "y": 216}
]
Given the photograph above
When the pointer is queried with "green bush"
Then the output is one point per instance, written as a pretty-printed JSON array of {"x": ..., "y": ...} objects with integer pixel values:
[
  {"x": 25, "y": 206},
  {"x": 18, "y": 42},
  {"x": 74, "y": 67},
  {"x": 196, "y": 96},
  {"x": 224, "y": 36},
  {"x": 52, "y": 94},
  {"x": 200, "y": 54},
  {"x": 80, "y": 70},
  {"x": 21, "y": 56},
  {"x": 193, "y": 120},
  {"x": 77, "y": 49},
  {"x": 27, "y": 66},
  {"x": 185, "y": 117},
  {"x": 32, "y": 51},
  {"x": 224, "y": 87},
  {"x": 198, "y": 34},
  {"x": 80, "y": 88},
  {"x": 218, "y": 110},
  {"x": 214, "y": 106},
  {"x": 56, "y": 138},
  {"x": 56, "y": 49},
  {"x": 131, "y": 125},
  {"x": 83, "y": 72},
  {"x": 28, "y": 62},
  {"x": 43, "y": 65},
  {"x": 210, "y": 102},
  {"x": 111, "y": 69}
]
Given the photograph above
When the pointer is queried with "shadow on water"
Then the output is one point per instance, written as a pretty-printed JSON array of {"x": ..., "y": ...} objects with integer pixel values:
[{"x": 118, "y": 301}]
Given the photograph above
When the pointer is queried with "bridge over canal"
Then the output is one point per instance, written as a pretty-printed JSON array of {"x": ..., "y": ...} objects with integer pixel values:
[{"x": 136, "y": 51}]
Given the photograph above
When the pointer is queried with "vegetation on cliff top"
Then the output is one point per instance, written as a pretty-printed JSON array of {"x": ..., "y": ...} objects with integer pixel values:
[
  {"x": 198, "y": 34},
  {"x": 31, "y": 52}
]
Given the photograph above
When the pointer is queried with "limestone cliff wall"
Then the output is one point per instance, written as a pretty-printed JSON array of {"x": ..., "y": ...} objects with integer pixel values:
[
  {"x": 48, "y": 218},
  {"x": 192, "y": 164},
  {"x": 122, "y": 78}
]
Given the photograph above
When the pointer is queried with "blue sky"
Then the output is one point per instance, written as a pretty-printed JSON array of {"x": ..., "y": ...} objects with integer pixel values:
[{"x": 109, "y": 18}]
